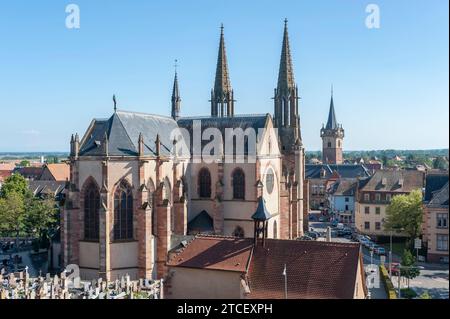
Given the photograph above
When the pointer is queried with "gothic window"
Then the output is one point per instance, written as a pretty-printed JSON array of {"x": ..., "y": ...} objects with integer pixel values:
[
  {"x": 339, "y": 143},
  {"x": 270, "y": 178},
  {"x": 204, "y": 183},
  {"x": 329, "y": 144},
  {"x": 238, "y": 232},
  {"x": 91, "y": 212},
  {"x": 238, "y": 184},
  {"x": 123, "y": 213}
]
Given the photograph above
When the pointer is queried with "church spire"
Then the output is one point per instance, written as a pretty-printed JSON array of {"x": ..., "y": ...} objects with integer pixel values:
[
  {"x": 286, "y": 80},
  {"x": 176, "y": 99},
  {"x": 286, "y": 93},
  {"x": 222, "y": 103},
  {"x": 331, "y": 123}
]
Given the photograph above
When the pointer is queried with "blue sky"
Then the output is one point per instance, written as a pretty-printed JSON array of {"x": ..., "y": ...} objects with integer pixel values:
[{"x": 390, "y": 84}]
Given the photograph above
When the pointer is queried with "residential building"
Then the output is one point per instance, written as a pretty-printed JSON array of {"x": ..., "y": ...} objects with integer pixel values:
[
  {"x": 320, "y": 177},
  {"x": 436, "y": 210},
  {"x": 59, "y": 172},
  {"x": 341, "y": 199},
  {"x": 375, "y": 195}
]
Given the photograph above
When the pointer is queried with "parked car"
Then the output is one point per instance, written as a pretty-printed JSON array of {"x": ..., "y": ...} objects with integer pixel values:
[
  {"x": 379, "y": 250},
  {"x": 395, "y": 269},
  {"x": 305, "y": 237},
  {"x": 334, "y": 223},
  {"x": 314, "y": 235}
]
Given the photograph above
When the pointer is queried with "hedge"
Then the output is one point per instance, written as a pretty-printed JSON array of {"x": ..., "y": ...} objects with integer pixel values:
[{"x": 388, "y": 286}]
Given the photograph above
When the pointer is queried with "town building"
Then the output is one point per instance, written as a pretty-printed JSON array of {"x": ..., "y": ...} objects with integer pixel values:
[
  {"x": 214, "y": 267},
  {"x": 320, "y": 177},
  {"x": 135, "y": 193},
  {"x": 58, "y": 172},
  {"x": 332, "y": 135},
  {"x": 375, "y": 195},
  {"x": 435, "y": 222},
  {"x": 341, "y": 199}
]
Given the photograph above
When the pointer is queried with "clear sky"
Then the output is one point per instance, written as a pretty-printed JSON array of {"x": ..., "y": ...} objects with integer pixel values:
[{"x": 390, "y": 84}]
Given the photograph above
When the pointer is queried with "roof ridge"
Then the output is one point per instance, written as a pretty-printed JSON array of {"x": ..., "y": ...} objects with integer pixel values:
[{"x": 148, "y": 114}]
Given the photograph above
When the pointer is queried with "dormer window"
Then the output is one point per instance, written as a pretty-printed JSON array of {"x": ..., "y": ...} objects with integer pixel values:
[
  {"x": 384, "y": 181},
  {"x": 400, "y": 182}
]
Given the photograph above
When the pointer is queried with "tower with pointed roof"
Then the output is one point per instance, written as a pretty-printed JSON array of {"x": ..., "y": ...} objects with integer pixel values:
[
  {"x": 332, "y": 135},
  {"x": 286, "y": 116},
  {"x": 176, "y": 99},
  {"x": 222, "y": 99}
]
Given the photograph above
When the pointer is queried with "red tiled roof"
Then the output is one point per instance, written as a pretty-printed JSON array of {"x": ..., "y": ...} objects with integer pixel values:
[
  {"x": 315, "y": 270},
  {"x": 215, "y": 253},
  {"x": 60, "y": 171},
  {"x": 4, "y": 175}
]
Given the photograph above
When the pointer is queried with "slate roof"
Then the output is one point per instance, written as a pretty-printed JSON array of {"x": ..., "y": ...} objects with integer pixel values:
[
  {"x": 344, "y": 187},
  {"x": 312, "y": 171},
  {"x": 254, "y": 121},
  {"x": 215, "y": 253},
  {"x": 433, "y": 183},
  {"x": 440, "y": 197},
  {"x": 332, "y": 122},
  {"x": 41, "y": 188},
  {"x": 202, "y": 223},
  {"x": 315, "y": 270},
  {"x": 389, "y": 181},
  {"x": 29, "y": 172},
  {"x": 123, "y": 129},
  {"x": 261, "y": 211}
]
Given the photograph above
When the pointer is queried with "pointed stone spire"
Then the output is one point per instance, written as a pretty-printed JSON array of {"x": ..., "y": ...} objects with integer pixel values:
[
  {"x": 176, "y": 99},
  {"x": 286, "y": 79},
  {"x": 286, "y": 97},
  {"x": 222, "y": 103},
  {"x": 331, "y": 123},
  {"x": 158, "y": 145}
]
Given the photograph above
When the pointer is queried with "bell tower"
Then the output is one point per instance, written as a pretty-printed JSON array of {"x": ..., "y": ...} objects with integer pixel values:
[{"x": 332, "y": 138}]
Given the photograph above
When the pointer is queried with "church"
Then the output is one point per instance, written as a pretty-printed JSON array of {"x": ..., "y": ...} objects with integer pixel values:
[{"x": 133, "y": 195}]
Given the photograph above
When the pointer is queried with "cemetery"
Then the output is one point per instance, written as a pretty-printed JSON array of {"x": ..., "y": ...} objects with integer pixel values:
[{"x": 19, "y": 285}]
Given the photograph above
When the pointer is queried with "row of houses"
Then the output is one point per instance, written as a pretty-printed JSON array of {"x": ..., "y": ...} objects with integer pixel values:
[{"x": 355, "y": 196}]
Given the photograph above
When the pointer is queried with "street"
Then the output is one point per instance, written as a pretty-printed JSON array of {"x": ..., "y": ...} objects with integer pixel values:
[{"x": 433, "y": 278}]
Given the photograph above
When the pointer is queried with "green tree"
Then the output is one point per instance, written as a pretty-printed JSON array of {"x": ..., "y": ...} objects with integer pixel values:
[
  {"x": 405, "y": 212},
  {"x": 24, "y": 163},
  {"x": 41, "y": 218},
  {"x": 12, "y": 214},
  {"x": 15, "y": 184},
  {"x": 440, "y": 163},
  {"x": 408, "y": 266}
]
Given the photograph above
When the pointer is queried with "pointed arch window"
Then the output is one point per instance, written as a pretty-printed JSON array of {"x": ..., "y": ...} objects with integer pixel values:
[
  {"x": 204, "y": 183},
  {"x": 91, "y": 212},
  {"x": 238, "y": 184},
  {"x": 123, "y": 212}
]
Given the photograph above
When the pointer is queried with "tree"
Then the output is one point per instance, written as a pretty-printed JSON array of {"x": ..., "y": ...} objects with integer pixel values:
[
  {"x": 405, "y": 212},
  {"x": 440, "y": 163},
  {"x": 24, "y": 163},
  {"x": 15, "y": 184},
  {"x": 408, "y": 268},
  {"x": 41, "y": 218},
  {"x": 12, "y": 214}
]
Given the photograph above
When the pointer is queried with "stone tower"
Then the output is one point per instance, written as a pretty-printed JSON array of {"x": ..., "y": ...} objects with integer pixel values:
[
  {"x": 176, "y": 99},
  {"x": 286, "y": 98},
  {"x": 287, "y": 121},
  {"x": 222, "y": 99},
  {"x": 332, "y": 138}
]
